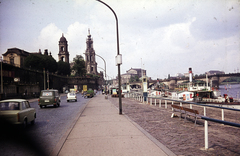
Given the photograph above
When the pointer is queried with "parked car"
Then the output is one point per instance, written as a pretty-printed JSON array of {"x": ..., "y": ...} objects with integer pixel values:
[
  {"x": 49, "y": 97},
  {"x": 17, "y": 111},
  {"x": 90, "y": 93},
  {"x": 71, "y": 96}
]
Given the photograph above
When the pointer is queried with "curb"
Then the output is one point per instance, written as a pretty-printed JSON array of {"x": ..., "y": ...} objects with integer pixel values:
[{"x": 63, "y": 139}]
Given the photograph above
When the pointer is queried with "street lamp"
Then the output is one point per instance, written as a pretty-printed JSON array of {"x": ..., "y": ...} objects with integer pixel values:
[
  {"x": 104, "y": 66},
  {"x": 119, "y": 62},
  {"x": 44, "y": 83},
  {"x": 48, "y": 78},
  {"x": 105, "y": 81},
  {"x": 105, "y": 72}
]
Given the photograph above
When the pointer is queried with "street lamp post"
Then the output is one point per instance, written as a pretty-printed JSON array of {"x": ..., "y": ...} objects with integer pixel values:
[
  {"x": 119, "y": 75},
  {"x": 48, "y": 78},
  {"x": 44, "y": 83},
  {"x": 104, "y": 66},
  {"x": 105, "y": 72}
]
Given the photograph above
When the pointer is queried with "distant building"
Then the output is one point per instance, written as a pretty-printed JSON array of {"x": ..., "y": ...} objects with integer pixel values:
[
  {"x": 16, "y": 56},
  {"x": 215, "y": 72},
  {"x": 63, "y": 54},
  {"x": 179, "y": 75},
  {"x": 137, "y": 71},
  {"x": 186, "y": 74},
  {"x": 90, "y": 61},
  {"x": 131, "y": 73}
]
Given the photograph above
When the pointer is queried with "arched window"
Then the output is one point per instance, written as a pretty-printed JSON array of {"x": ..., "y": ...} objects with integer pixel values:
[{"x": 62, "y": 48}]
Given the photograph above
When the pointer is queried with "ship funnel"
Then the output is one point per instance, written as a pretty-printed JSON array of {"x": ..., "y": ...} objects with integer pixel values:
[{"x": 190, "y": 74}]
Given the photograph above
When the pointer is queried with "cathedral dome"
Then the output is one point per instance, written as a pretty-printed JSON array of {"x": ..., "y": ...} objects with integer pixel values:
[{"x": 63, "y": 39}]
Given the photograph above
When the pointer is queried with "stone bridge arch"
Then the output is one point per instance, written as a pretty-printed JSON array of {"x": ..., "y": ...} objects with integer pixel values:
[{"x": 136, "y": 85}]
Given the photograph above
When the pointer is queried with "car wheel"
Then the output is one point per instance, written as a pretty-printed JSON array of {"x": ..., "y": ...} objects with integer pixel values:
[
  {"x": 33, "y": 122},
  {"x": 40, "y": 106},
  {"x": 76, "y": 100},
  {"x": 58, "y": 104},
  {"x": 24, "y": 124},
  {"x": 67, "y": 100}
]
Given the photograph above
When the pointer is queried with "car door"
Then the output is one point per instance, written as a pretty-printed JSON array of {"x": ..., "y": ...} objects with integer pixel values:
[
  {"x": 30, "y": 111},
  {"x": 25, "y": 112}
]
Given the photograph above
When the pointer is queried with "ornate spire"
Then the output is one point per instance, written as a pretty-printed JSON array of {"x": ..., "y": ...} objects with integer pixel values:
[{"x": 89, "y": 35}]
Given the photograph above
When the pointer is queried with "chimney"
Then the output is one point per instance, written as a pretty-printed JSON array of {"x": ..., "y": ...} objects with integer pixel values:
[{"x": 46, "y": 52}]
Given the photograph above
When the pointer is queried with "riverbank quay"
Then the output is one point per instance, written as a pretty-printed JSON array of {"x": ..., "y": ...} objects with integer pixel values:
[
  {"x": 100, "y": 130},
  {"x": 183, "y": 138}
]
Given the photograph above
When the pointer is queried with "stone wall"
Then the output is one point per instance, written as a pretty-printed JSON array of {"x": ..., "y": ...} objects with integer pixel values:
[{"x": 25, "y": 83}]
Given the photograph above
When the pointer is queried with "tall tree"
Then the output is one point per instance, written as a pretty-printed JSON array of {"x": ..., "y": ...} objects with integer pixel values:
[
  {"x": 38, "y": 62},
  {"x": 79, "y": 66},
  {"x": 63, "y": 68}
]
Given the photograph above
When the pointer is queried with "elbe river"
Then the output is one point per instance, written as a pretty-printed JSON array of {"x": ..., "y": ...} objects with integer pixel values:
[{"x": 233, "y": 90}]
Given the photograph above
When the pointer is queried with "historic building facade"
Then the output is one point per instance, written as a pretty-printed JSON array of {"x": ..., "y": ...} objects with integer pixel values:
[
  {"x": 63, "y": 54},
  {"x": 16, "y": 56},
  {"x": 90, "y": 62}
]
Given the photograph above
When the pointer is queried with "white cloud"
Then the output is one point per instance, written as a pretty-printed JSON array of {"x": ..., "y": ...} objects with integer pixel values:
[
  {"x": 48, "y": 39},
  {"x": 169, "y": 36}
]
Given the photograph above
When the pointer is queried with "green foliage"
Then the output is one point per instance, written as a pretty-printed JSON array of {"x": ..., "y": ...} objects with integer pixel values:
[
  {"x": 38, "y": 62},
  {"x": 134, "y": 79},
  {"x": 92, "y": 75},
  {"x": 63, "y": 68},
  {"x": 79, "y": 66},
  {"x": 89, "y": 75},
  {"x": 233, "y": 79}
]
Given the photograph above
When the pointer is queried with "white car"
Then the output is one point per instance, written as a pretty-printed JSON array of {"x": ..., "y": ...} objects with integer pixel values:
[{"x": 71, "y": 96}]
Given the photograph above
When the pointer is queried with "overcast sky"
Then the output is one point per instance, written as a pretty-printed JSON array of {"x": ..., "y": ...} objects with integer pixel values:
[{"x": 162, "y": 36}]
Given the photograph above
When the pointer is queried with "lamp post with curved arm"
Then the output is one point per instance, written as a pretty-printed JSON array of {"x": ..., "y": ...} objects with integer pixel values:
[
  {"x": 105, "y": 72},
  {"x": 104, "y": 66},
  {"x": 104, "y": 63},
  {"x": 118, "y": 64}
]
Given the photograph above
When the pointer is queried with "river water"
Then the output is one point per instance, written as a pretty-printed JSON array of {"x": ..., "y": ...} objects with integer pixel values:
[{"x": 233, "y": 90}]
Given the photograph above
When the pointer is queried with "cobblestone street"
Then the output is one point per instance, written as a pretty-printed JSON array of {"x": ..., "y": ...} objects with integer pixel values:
[{"x": 183, "y": 138}]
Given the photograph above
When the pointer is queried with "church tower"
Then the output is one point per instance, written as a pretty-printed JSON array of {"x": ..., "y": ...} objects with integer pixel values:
[
  {"x": 63, "y": 50},
  {"x": 90, "y": 62}
]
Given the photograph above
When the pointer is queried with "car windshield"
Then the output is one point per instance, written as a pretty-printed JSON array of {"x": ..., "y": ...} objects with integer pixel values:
[
  {"x": 71, "y": 94},
  {"x": 46, "y": 93},
  {"x": 9, "y": 106}
]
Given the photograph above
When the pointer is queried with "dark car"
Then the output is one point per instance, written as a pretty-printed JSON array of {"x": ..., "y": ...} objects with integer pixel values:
[
  {"x": 17, "y": 111},
  {"x": 49, "y": 97}
]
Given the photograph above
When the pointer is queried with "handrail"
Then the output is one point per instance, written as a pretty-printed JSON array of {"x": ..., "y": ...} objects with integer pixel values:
[
  {"x": 203, "y": 117},
  {"x": 233, "y": 109},
  {"x": 220, "y": 121}
]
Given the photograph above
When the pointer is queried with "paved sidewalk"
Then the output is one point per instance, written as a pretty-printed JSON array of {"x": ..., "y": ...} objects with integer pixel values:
[{"x": 100, "y": 130}]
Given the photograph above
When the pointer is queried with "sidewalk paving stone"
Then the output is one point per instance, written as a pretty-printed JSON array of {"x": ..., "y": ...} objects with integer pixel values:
[{"x": 100, "y": 130}]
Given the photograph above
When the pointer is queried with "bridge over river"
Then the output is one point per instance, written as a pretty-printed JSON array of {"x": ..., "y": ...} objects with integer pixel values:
[{"x": 215, "y": 80}]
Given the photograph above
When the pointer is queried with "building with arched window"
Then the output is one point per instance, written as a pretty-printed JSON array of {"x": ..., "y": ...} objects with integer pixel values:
[
  {"x": 63, "y": 54},
  {"x": 90, "y": 62}
]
